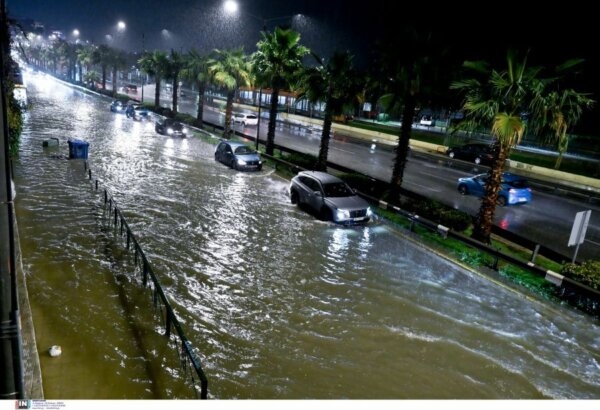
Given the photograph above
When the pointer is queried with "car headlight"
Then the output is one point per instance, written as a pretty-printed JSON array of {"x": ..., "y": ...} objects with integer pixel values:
[
  {"x": 241, "y": 162},
  {"x": 184, "y": 131},
  {"x": 342, "y": 214},
  {"x": 259, "y": 162},
  {"x": 169, "y": 130},
  {"x": 369, "y": 212}
]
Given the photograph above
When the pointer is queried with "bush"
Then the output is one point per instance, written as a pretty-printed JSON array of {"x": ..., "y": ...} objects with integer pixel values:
[
  {"x": 303, "y": 160},
  {"x": 437, "y": 212},
  {"x": 587, "y": 273}
]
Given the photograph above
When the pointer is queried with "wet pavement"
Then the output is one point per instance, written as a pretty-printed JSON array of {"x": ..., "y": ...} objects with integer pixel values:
[{"x": 277, "y": 304}]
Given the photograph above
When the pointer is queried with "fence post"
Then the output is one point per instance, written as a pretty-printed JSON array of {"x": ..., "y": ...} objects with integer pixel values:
[
  {"x": 96, "y": 185},
  {"x": 145, "y": 276},
  {"x": 535, "y": 252},
  {"x": 168, "y": 324},
  {"x": 90, "y": 174},
  {"x": 128, "y": 232},
  {"x": 105, "y": 197}
]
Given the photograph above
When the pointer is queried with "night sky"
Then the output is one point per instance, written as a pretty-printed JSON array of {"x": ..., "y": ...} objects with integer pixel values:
[{"x": 478, "y": 30}]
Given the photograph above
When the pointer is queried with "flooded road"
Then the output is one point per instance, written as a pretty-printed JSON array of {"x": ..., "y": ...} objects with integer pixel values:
[{"x": 277, "y": 304}]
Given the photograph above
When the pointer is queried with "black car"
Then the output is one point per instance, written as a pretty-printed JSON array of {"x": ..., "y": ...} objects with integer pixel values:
[
  {"x": 171, "y": 128},
  {"x": 478, "y": 153}
]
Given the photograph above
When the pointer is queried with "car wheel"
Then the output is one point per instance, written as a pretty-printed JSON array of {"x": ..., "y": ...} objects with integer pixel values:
[
  {"x": 157, "y": 129},
  {"x": 451, "y": 154},
  {"x": 501, "y": 201},
  {"x": 325, "y": 214},
  {"x": 477, "y": 161},
  {"x": 294, "y": 198},
  {"x": 234, "y": 165},
  {"x": 463, "y": 189}
]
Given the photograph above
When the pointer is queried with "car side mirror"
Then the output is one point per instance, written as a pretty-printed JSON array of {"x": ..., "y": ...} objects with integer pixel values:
[{"x": 318, "y": 193}]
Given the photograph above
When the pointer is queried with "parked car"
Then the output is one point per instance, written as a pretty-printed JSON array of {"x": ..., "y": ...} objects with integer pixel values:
[
  {"x": 478, "y": 153},
  {"x": 117, "y": 106},
  {"x": 130, "y": 88},
  {"x": 514, "y": 189},
  {"x": 244, "y": 119},
  {"x": 137, "y": 112},
  {"x": 330, "y": 197},
  {"x": 171, "y": 128},
  {"x": 238, "y": 156}
]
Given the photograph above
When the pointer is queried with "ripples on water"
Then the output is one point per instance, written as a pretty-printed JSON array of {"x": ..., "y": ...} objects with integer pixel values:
[{"x": 278, "y": 304}]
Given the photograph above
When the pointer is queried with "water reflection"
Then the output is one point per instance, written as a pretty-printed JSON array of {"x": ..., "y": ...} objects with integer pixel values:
[{"x": 278, "y": 304}]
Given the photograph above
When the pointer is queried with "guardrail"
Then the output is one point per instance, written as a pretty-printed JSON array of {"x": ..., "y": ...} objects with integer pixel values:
[
  {"x": 188, "y": 357},
  {"x": 578, "y": 293}
]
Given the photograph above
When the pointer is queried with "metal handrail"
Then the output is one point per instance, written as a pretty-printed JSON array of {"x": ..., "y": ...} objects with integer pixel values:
[{"x": 171, "y": 321}]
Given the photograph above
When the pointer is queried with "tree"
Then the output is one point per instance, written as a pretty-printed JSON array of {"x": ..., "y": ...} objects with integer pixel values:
[
  {"x": 155, "y": 64},
  {"x": 91, "y": 77},
  {"x": 196, "y": 70},
  {"x": 276, "y": 63},
  {"x": 337, "y": 84},
  {"x": 102, "y": 56},
  {"x": 118, "y": 61},
  {"x": 176, "y": 64},
  {"x": 85, "y": 57},
  {"x": 496, "y": 100},
  {"x": 230, "y": 69},
  {"x": 560, "y": 108},
  {"x": 413, "y": 71}
]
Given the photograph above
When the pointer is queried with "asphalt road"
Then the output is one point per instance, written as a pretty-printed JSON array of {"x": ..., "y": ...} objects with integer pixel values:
[{"x": 547, "y": 219}]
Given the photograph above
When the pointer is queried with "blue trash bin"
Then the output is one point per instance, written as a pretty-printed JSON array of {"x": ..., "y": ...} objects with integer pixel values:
[{"x": 78, "y": 149}]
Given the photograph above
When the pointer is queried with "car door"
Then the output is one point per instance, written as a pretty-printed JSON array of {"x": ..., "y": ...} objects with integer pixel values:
[
  {"x": 478, "y": 188},
  {"x": 228, "y": 156},
  {"x": 315, "y": 195}
]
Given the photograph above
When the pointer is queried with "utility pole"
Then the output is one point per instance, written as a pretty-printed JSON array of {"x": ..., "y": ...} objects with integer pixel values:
[{"x": 11, "y": 367}]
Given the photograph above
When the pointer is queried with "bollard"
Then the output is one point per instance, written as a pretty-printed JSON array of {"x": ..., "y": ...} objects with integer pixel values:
[
  {"x": 145, "y": 271},
  {"x": 85, "y": 165},
  {"x": 495, "y": 264},
  {"x": 115, "y": 216},
  {"x": 168, "y": 324},
  {"x": 105, "y": 197},
  {"x": 128, "y": 232},
  {"x": 96, "y": 185},
  {"x": 90, "y": 174}
]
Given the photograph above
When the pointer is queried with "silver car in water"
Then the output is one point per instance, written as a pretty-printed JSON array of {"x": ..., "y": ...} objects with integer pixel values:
[{"x": 330, "y": 197}]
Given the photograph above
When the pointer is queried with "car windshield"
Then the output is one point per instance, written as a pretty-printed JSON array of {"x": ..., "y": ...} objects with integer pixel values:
[
  {"x": 337, "y": 189},
  {"x": 244, "y": 150}
]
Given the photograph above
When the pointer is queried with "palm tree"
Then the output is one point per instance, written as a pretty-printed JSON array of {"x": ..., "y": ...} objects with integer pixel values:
[
  {"x": 497, "y": 99},
  {"x": 155, "y": 64},
  {"x": 91, "y": 77},
  {"x": 230, "y": 69},
  {"x": 102, "y": 57},
  {"x": 196, "y": 70},
  {"x": 118, "y": 61},
  {"x": 176, "y": 64},
  {"x": 85, "y": 56},
  {"x": 560, "y": 108},
  {"x": 337, "y": 84},
  {"x": 411, "y": 73},
  {"x": 276, "y": 62}
]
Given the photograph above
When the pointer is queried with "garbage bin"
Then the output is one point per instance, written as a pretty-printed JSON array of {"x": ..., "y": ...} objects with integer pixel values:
[{"x": 78, "y": 149}]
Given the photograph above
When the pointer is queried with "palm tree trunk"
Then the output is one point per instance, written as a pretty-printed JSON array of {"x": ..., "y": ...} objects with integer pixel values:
[
  {"x": 114, "y": 81},
  {"x": 104, "y": 77},
  {"x": 402, "y": 148},
  {"x": 157, "y": 93},
  {"x": 324, "y": 148},
  {"x": 175, "y": 90},
  {"x": 485, "y": 217},
  {"x": 272, "y": 120},
  {"x": 200, "y": 113},
  {"x": 80, "y": 73},
  {"x": 228, "y": 113}
]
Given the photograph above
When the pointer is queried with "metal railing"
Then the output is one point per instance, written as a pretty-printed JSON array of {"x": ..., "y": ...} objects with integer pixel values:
[{"x": 188, "y": 358}]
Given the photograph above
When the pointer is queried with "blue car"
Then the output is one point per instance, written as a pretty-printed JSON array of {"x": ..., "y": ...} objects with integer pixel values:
[
  {"x": 238, "y": 156},
  {"x": 514, "y": 189}
]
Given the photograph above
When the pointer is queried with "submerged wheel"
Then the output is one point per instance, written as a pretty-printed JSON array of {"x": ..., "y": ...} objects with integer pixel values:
[
  {"x": 325, "y": 214},
  {"x": 294, "y": 197}
]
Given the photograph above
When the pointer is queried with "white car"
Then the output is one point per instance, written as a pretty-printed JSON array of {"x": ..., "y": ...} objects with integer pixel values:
[{"x": 245, "y": 119}]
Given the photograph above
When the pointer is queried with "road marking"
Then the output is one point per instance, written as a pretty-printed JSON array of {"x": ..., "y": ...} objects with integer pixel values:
[
  {"x": 343, "y": 150},
  {"x": 424, "y": 186}
]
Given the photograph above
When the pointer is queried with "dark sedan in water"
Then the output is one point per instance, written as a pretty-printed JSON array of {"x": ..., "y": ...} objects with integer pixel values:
[
  {"x": 238, "y": 156},
  {"x": 477, "y": 153}
]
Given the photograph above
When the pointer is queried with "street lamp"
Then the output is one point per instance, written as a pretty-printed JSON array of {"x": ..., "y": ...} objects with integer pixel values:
[
  {"x": 76, "y": 33},
  {"x": 121, "y": 26}
]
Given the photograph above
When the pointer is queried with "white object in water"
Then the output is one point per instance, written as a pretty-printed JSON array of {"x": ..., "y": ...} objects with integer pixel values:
[{"x": 54, "y": 351}]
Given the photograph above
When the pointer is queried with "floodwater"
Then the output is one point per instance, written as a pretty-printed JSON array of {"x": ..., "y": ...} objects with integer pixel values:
[{"x": 276, "y": 304}]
